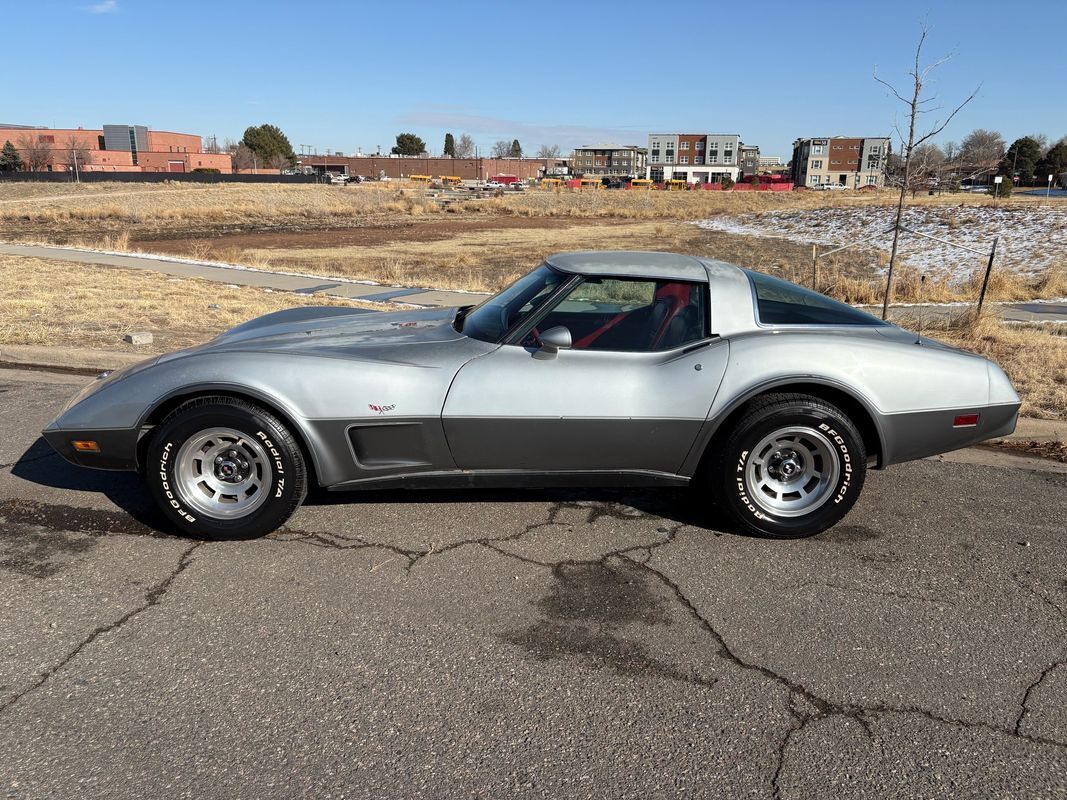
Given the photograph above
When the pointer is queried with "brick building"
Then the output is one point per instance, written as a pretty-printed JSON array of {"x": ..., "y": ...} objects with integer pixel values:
[
  {"x": 406, "y": 166},
  {"x": 694, "y": 157},
  {"x": 842, "y": 160},
  {"x": 112, "y": 148}
]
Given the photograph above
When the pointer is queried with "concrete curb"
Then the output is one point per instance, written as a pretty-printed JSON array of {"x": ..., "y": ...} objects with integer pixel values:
[{"x": 73, "y": 358}]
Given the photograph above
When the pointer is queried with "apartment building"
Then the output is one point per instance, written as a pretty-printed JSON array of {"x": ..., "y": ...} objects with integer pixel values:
[
  {"x": 694, "y": 157},
  {"x": 612, "y": 160},
  {"x": 750, "y": 161},
  {"x": 842, "y": 160}
]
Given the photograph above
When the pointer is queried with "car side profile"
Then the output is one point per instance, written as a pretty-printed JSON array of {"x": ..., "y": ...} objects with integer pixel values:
[{"x": 594, "y": 369}]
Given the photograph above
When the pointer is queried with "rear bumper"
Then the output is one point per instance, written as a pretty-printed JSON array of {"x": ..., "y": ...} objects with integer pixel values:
[
  {"x": 118, "y": 447},
  {"x": 927, "y": 433}
]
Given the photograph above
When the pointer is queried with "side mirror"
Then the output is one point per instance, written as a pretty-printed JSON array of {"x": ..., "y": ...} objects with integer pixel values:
[{"x": 552, "y": 341}]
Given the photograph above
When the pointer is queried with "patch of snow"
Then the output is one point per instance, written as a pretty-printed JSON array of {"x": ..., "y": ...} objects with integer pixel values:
[{"x": 1031, "y": 238}]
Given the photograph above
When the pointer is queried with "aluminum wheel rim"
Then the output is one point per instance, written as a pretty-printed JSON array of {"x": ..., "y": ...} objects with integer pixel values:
[
  {"x": 223, "y": 474},
  {"x": 792, "y": 471}
]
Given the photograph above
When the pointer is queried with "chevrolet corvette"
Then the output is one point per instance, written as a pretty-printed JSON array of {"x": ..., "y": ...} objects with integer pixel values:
[{"x": 595, "y": 369}]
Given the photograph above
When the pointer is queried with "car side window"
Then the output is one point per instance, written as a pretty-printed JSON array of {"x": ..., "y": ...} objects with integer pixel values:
[
  {"x": 626, "y": 315},
  {"x": 779, "y": 302}
]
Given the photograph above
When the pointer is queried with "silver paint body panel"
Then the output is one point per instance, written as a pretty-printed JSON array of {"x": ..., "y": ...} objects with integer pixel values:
[{"x": 386, "y": 397}]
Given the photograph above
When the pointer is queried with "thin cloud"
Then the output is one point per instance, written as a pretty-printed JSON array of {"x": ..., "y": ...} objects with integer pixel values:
[
  {"x": 567, "y": 136},
  {"x": 104, "y": 7}
]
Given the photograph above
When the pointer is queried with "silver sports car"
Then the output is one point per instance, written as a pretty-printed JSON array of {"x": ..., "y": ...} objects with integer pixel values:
[{"x": 603, "y": 368}]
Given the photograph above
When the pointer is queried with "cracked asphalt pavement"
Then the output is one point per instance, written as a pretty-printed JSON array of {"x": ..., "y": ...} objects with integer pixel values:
[{"x": 531, "y": 644}]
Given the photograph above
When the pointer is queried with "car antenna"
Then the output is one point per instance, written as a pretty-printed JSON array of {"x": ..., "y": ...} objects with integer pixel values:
[{"x": 922, "y": 307}]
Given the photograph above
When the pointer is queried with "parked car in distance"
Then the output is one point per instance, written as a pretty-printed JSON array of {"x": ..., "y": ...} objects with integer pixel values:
[
  {"x": 518, "y": 186},
  {"x": 491, "y": 185},
  {"x": 594, "y": 369},
  {"x": 829, "y": 187}
]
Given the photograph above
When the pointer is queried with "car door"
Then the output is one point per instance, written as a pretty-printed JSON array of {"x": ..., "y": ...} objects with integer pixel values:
[{"x": 630, "y": 394}]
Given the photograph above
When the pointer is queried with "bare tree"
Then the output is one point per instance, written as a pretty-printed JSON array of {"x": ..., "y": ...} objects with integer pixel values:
[
  {"x": 548, "y": 151},
  {"x": 916, "y": 105},
  {"x": 980, "y": 152},
  {"x": 36, "y": 155},
  {"x": 501, "y": 149},
  {"x": 242, "y": 156},
  {"x": 75, "y": 152},
  {"x": 464, "y": 146},
  {"x": 278, "y": 161}
]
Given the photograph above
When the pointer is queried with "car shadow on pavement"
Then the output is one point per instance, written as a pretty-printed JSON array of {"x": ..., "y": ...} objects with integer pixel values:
[
  {"x": 673, "y": 505},
  {"x": 41, "y": 465}
]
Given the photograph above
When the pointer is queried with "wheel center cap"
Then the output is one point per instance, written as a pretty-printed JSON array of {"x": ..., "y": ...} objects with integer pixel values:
[
  {"x": 226, "y": 469},
  {"x": 789, "y": 468}
]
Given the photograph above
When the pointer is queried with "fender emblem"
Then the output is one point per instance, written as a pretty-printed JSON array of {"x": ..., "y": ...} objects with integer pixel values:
[{"x": 380, "y": 409}]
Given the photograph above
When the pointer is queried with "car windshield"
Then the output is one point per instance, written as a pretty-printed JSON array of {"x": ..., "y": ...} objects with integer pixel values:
[{"x": 497, "y": 315}]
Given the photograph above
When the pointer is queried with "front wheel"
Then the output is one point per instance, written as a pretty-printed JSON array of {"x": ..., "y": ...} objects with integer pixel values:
[
  {"x": 221, "y": 467},
  {"x": 791, "y": 466}
]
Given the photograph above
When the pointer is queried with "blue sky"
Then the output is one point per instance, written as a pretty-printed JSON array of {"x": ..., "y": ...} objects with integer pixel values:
[{"x": 348, "y": 75}]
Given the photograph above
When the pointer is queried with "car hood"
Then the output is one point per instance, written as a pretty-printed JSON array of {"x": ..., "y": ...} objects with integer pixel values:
[{"x": 339, "y": 332}]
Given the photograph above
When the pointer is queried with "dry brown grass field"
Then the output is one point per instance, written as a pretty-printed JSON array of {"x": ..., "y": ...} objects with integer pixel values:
[
  {"x": 397, "y": 234},
  {"x": 400, "y": 235},
  {"x": 42, "y": 305}
]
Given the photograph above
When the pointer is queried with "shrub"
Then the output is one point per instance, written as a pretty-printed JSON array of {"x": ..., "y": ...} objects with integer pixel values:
[{"x": 1002, "y": 189}]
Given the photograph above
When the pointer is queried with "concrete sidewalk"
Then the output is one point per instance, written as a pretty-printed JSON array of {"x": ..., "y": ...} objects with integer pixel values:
[{"x": 246, "y": 276}]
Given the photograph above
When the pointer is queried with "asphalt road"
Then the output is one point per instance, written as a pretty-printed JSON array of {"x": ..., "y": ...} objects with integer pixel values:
[{"x": 529, "y": 644}]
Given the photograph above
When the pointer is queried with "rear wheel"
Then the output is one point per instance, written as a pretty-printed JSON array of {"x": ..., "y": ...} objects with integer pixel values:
[
  {"x": 222, "y": 467},
  {"x": 791, "y": 466}
]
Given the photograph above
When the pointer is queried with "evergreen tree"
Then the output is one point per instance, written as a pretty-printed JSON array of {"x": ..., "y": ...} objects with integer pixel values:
[
  {"x": 516, "y": 149},
  {"x": 1021, "y": 159},
  {"x": 408, "y": 144},
  {"x": 1054, "y": 163},
  {"x": 450, "y": 145},
  {"x": 10, "y": 161},
  {"x": 268, "y": 143}
]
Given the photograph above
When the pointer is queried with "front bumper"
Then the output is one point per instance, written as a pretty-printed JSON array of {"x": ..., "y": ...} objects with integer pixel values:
[{"x": 118, "y": 447}]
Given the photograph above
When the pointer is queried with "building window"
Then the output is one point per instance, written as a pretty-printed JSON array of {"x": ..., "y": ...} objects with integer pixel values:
[
  {"x": 700, "y": 145},
  {"x": 816, "y": 149},
  {"x": 727, "y": 156},
  {"x": 655, "y": 158},
  {"x": 655, "y": 145},
  {"x": 839, "y": 147},
  {"x": 684, "y": 146},
  {"x": 814, "y": 180},
  {"x": 698, "y": 160},
  {"x": 816, "y": 164},
  {"x": 685, "y": 159}
]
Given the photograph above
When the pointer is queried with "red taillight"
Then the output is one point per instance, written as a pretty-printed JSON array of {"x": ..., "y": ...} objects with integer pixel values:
[{"x": 965, "y": 421}]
